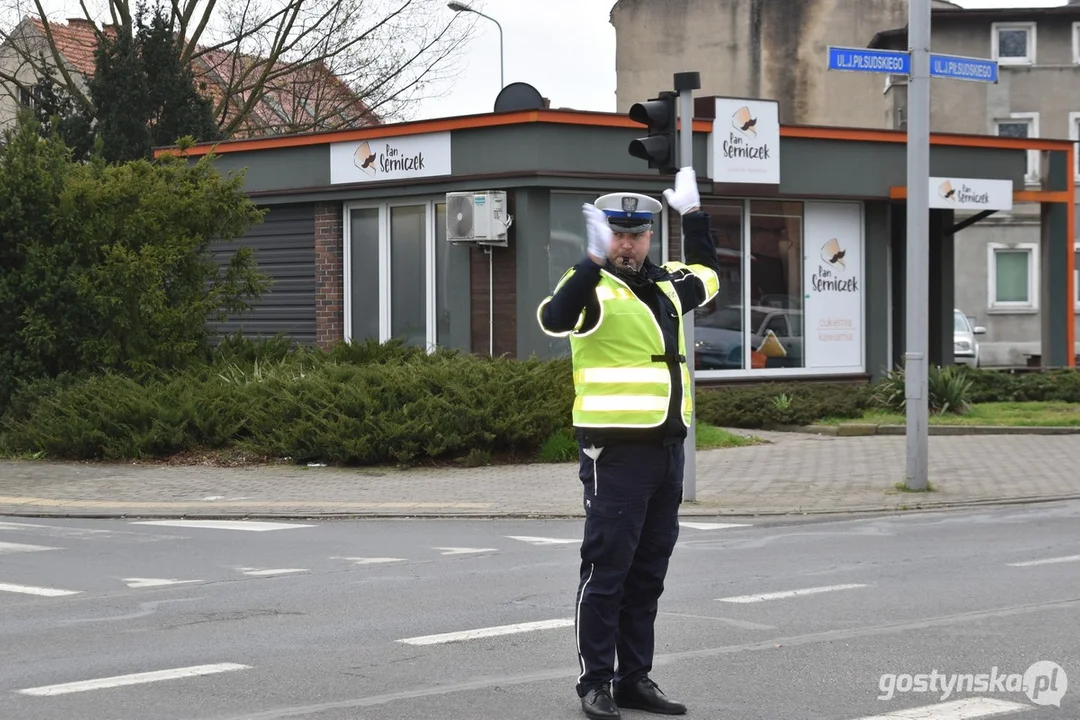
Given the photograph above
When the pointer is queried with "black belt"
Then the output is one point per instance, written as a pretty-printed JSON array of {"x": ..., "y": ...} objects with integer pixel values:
[{"x": 669, "y": 358}]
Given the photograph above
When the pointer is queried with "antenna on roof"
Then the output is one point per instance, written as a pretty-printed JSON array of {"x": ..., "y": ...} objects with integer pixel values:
[{"x": 519, "y": 96}]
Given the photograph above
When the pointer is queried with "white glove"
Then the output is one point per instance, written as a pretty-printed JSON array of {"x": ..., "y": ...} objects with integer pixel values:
[
  {"x": 598, "y": 233},
  {"x": 684, "y": 198}
]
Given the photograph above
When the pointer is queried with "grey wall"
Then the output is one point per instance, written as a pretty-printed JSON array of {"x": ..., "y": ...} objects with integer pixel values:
[
  {"x": 877, "y": 287},
  {"x": 284, "y": 249},
  {"x": 532, "y": 236},
  {"x": 837, "y": 167}
]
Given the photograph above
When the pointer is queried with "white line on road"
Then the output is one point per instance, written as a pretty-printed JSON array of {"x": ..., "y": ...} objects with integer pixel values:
[
  {"x": 249, "y": 525},
  {"x": 966, "y": 709},
  {"x": 281, "y": 571},
  {"x": 30, "y": 590},
  {"x": 6, "y": 547},
  {"x": 488, "y": 632},
  {"x": 53, "y": 529},
  {"x": 543, "y": 540},
  {"x": 463, "y": 551},
  {"x": 711, "y": 526},
  {"x": 786, "y": 594},
  {"x": 155, "y": 582},
  {"x": 1047, "y": 561},
  {"x": 369, "y": 560},
  {"x": 134, "y": 679}
]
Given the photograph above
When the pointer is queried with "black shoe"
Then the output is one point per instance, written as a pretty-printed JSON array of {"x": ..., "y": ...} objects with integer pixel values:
[
  {"x": 643, "y": 694},
  {"x": 597, "y": 703}
]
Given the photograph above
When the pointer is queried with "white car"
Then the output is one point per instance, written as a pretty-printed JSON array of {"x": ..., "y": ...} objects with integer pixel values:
[{"x": 965, "y": 346}]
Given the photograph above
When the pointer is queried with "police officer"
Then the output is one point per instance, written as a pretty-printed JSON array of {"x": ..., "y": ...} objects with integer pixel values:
[{"x": 623, "y": 315}]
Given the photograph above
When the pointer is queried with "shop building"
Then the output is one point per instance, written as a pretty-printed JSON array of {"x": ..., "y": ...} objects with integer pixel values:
[{"x": 809, "y": 226}]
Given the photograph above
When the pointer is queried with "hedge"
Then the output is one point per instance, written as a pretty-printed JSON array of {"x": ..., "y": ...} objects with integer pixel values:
[{"x": 368, "y": 404}]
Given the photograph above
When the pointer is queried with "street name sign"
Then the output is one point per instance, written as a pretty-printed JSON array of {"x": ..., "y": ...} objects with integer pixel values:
[
  {"x": 889, "y": 62},
  {"x": 957, "y": 67}
]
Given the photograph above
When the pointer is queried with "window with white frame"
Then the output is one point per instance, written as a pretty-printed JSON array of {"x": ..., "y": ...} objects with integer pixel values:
[
  {"x": 1076, "y": 42},
  {"x": 1013, "y": 276},
  {"x": 403, "y": 280},
  {"x": 1074, "y": 135},
  {"x": 1013, "y": 43},
  {"x": 1076, "y": 274},
  {"x": 1022, "y": 125}
]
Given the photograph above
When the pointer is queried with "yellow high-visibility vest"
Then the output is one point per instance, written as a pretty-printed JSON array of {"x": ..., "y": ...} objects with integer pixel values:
[{"x": 621, "y": 375}]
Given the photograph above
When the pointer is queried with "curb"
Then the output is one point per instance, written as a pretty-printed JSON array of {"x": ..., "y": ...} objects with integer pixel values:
[
  {"x": 858, "y": 510},
  {"x": 868, "y": 429}
]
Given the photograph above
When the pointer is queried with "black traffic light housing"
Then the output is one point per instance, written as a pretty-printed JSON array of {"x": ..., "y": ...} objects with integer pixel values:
[{"x": 660, "y": 147}]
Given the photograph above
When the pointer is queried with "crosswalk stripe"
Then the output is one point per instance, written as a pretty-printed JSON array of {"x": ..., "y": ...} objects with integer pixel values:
[
  {"x": 1046, "y": 561},
  {"x": 543, "y": 540},
  {"x": 966, "y": 709},
  {"x": 488, "y": 632},
  {"x": 155, "y": 582},
  {"x": 6, "y": 547},
  {"x": 787, "y": 593},
  {"x": 31, "y": 590},
  {"x": 710, "y": 526},
  {"x": 369, "y": 560},
  {"x": 248, "y": 525},
  {"x": 280, "y": 571},
  {"x": 463, "y": 550},
  {"x": 134, "y": 679}
]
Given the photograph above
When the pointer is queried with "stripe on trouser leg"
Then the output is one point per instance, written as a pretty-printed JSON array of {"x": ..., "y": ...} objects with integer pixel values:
[{"x": 577, "y": 621}]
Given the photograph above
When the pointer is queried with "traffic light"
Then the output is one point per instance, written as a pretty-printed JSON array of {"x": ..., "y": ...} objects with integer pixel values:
[{"x": 660, "y": 147}]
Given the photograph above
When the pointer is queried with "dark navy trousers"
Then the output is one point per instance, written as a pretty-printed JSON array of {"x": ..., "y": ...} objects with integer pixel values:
[{"x": 632, "y": 495}]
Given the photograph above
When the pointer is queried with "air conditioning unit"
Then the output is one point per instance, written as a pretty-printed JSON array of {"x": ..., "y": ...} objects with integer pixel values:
[{"x": 477, "y": 217}]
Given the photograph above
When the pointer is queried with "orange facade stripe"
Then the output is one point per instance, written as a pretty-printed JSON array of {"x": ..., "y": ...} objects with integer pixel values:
[
  {"x": 467, "y": 122},
  {"x": 1032, "y": 196},
  {"x": 595, "y": 119}
]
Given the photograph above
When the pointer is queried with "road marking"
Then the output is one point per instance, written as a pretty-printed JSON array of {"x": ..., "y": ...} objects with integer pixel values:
[
  {"x": 135, "y": 679},
  {"x": 543, "y": 540},
  {"x": 30, "y": 590},
  {"x": 786, "y": 594},
  {"x": 53, "y": 529},
  {"x": 463, "y": 551},
  {"x": 711, "y": 526},
  {"x": 966, "y": 709},
  {"x": 249, "y": 525},
  {"x": 488, "y": 632},
  {"x": 1046, "y": 561},
  {"x": 6, "y": 547},
  {"x": 155, "y": 582},
  {"x": 281, "y": 571},
  {"x": 370, "y": 560}
]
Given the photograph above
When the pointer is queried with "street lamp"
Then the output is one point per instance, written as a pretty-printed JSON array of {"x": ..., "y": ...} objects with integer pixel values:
[{"x": 458, "y": 7}]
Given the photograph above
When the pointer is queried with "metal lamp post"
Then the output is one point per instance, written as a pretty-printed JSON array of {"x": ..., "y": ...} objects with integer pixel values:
[{"x": 458, "y": 7}]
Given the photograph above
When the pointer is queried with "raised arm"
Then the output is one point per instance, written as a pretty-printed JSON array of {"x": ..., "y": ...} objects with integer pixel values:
[{"x": 697, "y": 279}]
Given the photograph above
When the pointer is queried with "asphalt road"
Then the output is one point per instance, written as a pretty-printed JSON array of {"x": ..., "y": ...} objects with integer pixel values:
[{"x": 336, "y": 620}]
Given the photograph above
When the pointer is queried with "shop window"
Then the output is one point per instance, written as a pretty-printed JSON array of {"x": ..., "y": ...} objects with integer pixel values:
[
  {"x": 1074, "y": 135},
  {"x": 1076, "y": 275},
  {"x": 776, "y": 287},
  {"x": 1013, "y": 43},
  {"x": 1013, "y": 277},
  {"x": 718, "y": 326},
  {"x": 1022, "y": 125},
  {"x": 404, "y": 281}
]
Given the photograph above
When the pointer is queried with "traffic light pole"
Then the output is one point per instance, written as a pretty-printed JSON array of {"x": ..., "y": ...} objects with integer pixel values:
[{"x": 685, "y": 84}]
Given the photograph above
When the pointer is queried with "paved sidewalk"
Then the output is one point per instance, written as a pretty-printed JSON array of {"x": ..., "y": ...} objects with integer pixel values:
[{"x": 792, "y": 474}]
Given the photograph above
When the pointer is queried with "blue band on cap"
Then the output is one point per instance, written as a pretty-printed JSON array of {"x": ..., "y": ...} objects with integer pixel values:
[{"x": 629, "y": 216}]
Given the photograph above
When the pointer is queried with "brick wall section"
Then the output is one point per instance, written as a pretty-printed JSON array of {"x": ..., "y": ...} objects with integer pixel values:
[{"x": 329, "y": 274}]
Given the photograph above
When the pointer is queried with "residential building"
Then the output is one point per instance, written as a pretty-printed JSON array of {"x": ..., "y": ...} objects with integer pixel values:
[
  {"x": 295, "y": 100},
  {"x": 777, "y": 49}
]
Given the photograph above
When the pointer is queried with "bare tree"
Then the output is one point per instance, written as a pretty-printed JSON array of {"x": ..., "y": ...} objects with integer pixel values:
[{"x": 270, "y": 66}]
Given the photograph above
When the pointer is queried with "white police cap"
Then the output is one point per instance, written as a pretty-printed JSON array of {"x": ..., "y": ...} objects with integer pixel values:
[{"x": 629, "y": 212}]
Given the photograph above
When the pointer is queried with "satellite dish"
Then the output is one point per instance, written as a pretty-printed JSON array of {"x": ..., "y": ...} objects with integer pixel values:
[{"x": 519, "y": 96}]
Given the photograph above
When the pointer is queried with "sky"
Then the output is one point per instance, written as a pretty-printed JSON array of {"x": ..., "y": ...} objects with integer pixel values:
[{"x": 566, "y": 51}]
